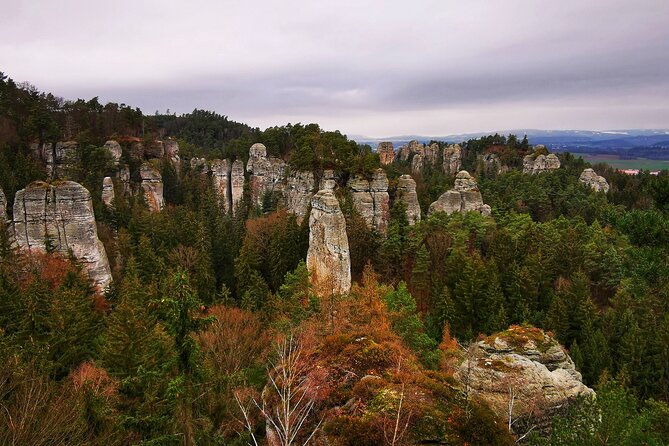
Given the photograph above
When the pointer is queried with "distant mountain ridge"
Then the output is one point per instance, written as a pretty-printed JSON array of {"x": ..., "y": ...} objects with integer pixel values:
[{"x": 647, "y": 143}]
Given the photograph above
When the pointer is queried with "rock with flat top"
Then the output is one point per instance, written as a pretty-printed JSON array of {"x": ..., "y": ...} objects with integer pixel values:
[
  {"x": 406, "y": 192},
  {"x": 328, "y": 257},
  {"x": 464, "y": 197},
  {"x": 61, "y": 216},
  {"x": 386, "y": 153}
]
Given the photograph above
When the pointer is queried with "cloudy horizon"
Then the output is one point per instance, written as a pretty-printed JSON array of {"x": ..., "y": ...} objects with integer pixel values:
[{"x": 373, "y": 68}]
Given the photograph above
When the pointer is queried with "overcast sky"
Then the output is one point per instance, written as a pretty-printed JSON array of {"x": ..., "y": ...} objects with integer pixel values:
[{"x": 375, "y": 68}]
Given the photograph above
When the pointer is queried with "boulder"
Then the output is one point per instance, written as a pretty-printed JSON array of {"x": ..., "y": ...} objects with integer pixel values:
[
  {"x": 596, "y": 182},
  {"x": 114, "y": 149},
  {"x": 298, "y": 192},
  {"x": 267, "y": 175},
  {"x": 386, "y": 153},
  {"x": 220, "y": 175},
  {"x": 152, "y": 185},
  {"x": 328, "y": 257},
  {"x": 406, "y": 192},
  {"x": 452, "y": 159},
  {"x": 524, "y": 362},
  {"x": 61, "y": 215},
  {"x": 371, "y": 199},
  {"x": 236, "y": 183},
  {"x": 464, "y": 197},
  {"x": 535, "y": 164},
  {"x": 108, "y": 191}
]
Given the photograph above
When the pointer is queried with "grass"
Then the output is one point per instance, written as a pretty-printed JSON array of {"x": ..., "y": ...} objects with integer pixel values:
[{"x": 614, "y": 161}]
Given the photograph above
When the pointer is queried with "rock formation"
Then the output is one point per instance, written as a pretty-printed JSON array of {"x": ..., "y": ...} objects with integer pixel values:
[
  {"x": 371, "y": 199},
  {"x": 114, "y": 149},
  {"x": 62, "y": 216},
  {"x": 597, "y": 182},
  {"x": 465, "y": 196},
  {"x": 3, "y": 207},
  {"x": 386, "y": 153},
  {"x": 199, "y": 163},
  {"x": 298, "y": 192},
  {"x": 532, "y": 364},
  {"x": 417, "y": 163},
  {"x": 220, "y": 175},
  {"x": 137, "y": 150},
  {"x": 404, "y": 152},
  {"x": 328, "y": 181},
  {"x": 267, "y": 174},
  {"x": 534, "y": 164},
  {"x": 152, "y": 185},
  {"x": 236, "y": 183},
  {"x": 452, "y": 159},
  {"x": 60, "y": 158},
  {"x": 123, "y": 174},
  {"x": 406, "y": 192},
  {"x": 171, "y": 148},
  {"x": 328, "y": 257},
  {"x": 108, "y": 191},
  {"x": 491, "y": 165}
]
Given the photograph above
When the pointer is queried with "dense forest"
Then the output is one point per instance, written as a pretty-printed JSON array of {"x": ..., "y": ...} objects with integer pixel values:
[{"x": 211, "y": 320}]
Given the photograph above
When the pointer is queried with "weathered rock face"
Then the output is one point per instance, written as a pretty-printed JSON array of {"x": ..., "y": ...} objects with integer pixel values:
[
  {"x": 386, "y": 153},
  {"x": 452, "y": 159},
  {"x": 491, "y": 164},
  {"x": 123, "y": 174},
  {"x": 597, "y": 182},
  {"x": 60, "y": 158},
  {"x": 220, "y": 175},
  {"x": 267, "y": 174},
  {"x": 3, "y": 207},
  {"x": 328, "y": 257},
  {"x": 417, "y": 163},
  {"x": 465, "y": 196},
  {"x": 152, "y": 185},
  {"x": 371, "y": 199},
  {"x": 406, "y": 192},
  {"x": 171, "y": 148},
  {"x": 108, "y": 191},
  {"x": 328, "y": 181},
  {"x": 406, "y": 150},
  {"x": 114, "y": 149},
  {"x": 524, "y": 359},
  {"x": 62, "y": 214},
  {"x": 236, "y": 183},
  {"x": 534, "y": 164},
  {"x": 199, "y": 163},
  {"x": 298, "y": 192}
]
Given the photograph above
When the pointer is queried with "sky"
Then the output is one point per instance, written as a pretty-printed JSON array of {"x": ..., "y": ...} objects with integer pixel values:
[{"x": 373, "y": 68}]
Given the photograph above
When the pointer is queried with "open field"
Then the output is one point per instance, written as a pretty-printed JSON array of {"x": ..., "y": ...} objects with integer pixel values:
[{"x": 637, "y": 163}]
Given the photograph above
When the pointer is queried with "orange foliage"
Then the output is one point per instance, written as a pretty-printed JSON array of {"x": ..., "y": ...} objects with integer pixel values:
[
  {"x": 49, "y": 268},
  {"x": 90, "y": 378}
]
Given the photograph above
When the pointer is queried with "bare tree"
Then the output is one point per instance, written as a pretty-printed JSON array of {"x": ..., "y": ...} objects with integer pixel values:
[{"x": 287, "y": 403}]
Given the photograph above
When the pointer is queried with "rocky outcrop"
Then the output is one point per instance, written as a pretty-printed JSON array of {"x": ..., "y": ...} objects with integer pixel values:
[
  {"x": 417, "y": 163},
  {"x": 236, "y": 183},
  {"x": 491, "y": 165},
  {"x": 152, "y": 185},
  {"x": 328, "y": 257},
  {"x": 412, "y": 147},
  {"x": 534, "y": 164},
  {"x": 371, "y": 199},
  {"x": 114, "y": 149},
  {"x": 171, "y": 148},
  {"x": 59, "y": 158},
  {"x": 199, "y": 163},
  {"x": 3, "y": 207},
  {"x": 61, "y": 215},
  {"x": 108, "y": 191},
  {"x": 123, "y": 175},
  {"x": 386, "y": 153},
  {"x": 526, "y": 362},
  {"x": 267, "y": 174},
  {"x": 596, "y": 182},
  {"x": 328, "y": 180},
  {"x": 220, "y": 175},
  {"x": 465, "y": 196},
  {"x": 298, "y": 192},
  {"x": 406, "y": 193},
  {"x": 452, "y": 159}
]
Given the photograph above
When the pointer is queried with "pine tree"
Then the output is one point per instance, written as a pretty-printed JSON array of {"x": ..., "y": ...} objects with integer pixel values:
[{"x": 420, "y": 279}]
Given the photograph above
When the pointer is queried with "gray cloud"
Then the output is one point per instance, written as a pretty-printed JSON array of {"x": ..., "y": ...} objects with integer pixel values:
[{"x": 367, "y": 67}]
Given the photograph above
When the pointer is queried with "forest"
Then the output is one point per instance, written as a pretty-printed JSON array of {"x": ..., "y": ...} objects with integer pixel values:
[{"x": 212, "y": 333}]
